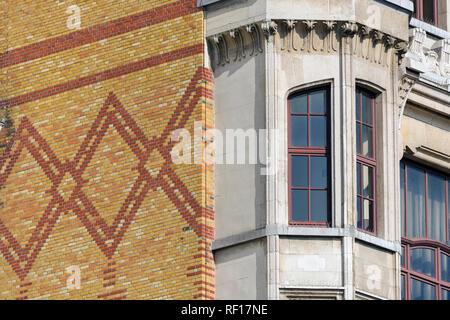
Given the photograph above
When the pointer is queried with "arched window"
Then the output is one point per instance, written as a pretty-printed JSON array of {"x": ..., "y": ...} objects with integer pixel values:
[
  {"x": 425, "y": 232},
  {"x": 366, "y": 164},
  {"x": 308, "y": 154},
  {"x": 425, "y": 270}
]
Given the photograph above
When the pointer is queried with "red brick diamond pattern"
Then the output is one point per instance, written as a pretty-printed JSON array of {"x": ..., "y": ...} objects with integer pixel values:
[{"x": 107, "y": 237}]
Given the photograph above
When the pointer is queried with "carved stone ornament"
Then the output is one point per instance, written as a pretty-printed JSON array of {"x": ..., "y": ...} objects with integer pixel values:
[
  {"x": 308, "y": 36},
  {"x": 269, "y": 28}
]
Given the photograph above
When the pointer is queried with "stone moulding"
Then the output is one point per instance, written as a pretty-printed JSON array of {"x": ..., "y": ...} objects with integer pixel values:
[
  {"x": 427, "y": 155},
  {"x": 306, "y": 36}
]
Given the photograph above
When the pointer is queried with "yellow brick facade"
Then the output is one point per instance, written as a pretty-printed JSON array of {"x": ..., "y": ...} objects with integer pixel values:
[{"x": 87, "y": 185}]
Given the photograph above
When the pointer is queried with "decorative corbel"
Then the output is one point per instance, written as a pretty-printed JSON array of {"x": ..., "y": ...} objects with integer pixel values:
[
  {"x": 406, "y": 84},
  {"x": 401, "y": 48},
  {"x": 309, "y": 25},
  {"x": 238, "y": 38},
  {"x": 328, "y": 39},
  {"x": 364, "y": 33},
  {"x": 269, "y": 28},
  {"x": 289, "y": 40},
  {"x": 255, "y": 34},
  {"x": 348, "y": 30},
  {"x": 222, "y": 49},
  {"x": 377, "y": 37},
  {"x": 389, "y": 43}
]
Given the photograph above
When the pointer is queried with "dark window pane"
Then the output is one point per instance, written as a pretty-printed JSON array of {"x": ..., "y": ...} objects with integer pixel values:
[
  {"x": 445, "y": 295},
  {"x": 422, "y": 291},
  {"x": 299, "y": 171},
  {"x": 299, "y": 131},
  {"x": 422, "y": 260},
  {"x": 319, "y": 205},
  {"x": 318, "y": 172},
  {"x": 403, "y": 287},
  {"x": 402, "y": 197},
  {"x": 318, "y": 131},
  {"x": 436, "y": 208},
  {"x": 367, "y": 142},
  {"x": 402, "y": 257},
  {"x": 299, "y": 104},
  {"x": 359, "y": 209},
  {"x": 367, "y": 116},
  {"x": 358, "y": 178},
  {"x": 358, "y": 138},
  {"x": 300, "y": 205},
  {"x": 416, "y": 202},
  {"x": 358, "y": 106},
  {"x": 445, "y": 267},
  {"x": 367, "y": 180},
  {"x": 428, "y": 11},
  {"x": 368, "y": 220},
  {"x": 318, "y": 102}
]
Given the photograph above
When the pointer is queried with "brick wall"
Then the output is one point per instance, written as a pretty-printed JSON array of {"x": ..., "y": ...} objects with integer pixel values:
[{"x": 92, "y": 91}]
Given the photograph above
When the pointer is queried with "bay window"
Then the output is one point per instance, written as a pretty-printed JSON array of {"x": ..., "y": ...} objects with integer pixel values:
[{"x": 425, "y": 232}]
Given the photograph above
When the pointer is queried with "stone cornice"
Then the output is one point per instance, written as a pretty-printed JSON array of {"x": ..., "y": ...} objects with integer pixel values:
[{"x": 306, "y": 36}]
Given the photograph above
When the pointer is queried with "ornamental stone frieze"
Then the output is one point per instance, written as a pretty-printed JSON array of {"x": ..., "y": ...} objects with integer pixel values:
[
  {"x": 306, "y": 37},
  {"x": 431, "y": 62}
]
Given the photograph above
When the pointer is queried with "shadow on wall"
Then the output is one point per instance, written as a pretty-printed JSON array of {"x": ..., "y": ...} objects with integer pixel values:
[{"x": 7, "y": 130}]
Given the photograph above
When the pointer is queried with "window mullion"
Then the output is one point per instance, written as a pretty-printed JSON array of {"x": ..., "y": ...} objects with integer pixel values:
[
  {"x": 406, "y": 200},
  {"x": 426, "y": 204},
  {"x": 446, "y": 209}
]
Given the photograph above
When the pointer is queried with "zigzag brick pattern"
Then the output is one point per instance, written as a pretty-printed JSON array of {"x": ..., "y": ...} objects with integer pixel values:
[{"x": 86, "y": 174}]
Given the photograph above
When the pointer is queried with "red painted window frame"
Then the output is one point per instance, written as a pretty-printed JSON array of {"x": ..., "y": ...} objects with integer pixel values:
[
  {"x": 408, "y": 273},
  {"x": 309, "y": 151},
  {"x": 427, "y": 171},
  {"x": 410, "y": 243},
  {"x": 367, "y": 161},
  {"x": 419, "y": 11}
]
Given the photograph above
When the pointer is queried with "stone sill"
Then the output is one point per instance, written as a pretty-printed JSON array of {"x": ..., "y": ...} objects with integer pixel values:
[
  {"x": 284, "y": 230},
  {"x": 430, "y": 29}
]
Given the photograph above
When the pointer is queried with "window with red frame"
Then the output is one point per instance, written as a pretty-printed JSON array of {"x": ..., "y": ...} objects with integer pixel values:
[
  {"x": 366, "y": 161},
  {"x": 425, "y": 270},
  {"x": 427, "y": 11},
  {"x": 308, "y": 156},
  {"x": 425, "y": 232},
  {"x": 424, "y": 202}
]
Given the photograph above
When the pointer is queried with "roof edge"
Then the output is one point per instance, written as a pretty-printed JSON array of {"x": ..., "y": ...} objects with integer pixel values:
[
  {"x": 201, "y": 3},
  {"x": 403, "y": 4}
]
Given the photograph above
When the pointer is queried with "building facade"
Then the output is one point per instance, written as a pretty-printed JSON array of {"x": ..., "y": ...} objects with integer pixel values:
[
  {"x": 328, "y": 122},
  {"x": 356, "y": 97},
  {"x": 91, "y": 205}
]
